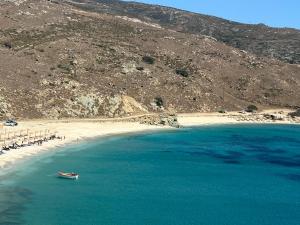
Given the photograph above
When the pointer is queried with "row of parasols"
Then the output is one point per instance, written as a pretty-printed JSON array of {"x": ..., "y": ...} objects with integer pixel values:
[{"x": 21, "y": 138}]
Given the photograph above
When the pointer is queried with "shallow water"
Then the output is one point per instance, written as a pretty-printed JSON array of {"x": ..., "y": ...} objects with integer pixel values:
[{"x": 214, "y": 175}]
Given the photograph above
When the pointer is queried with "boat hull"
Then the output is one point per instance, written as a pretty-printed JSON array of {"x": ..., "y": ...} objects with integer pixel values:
[{"x": 68, "y": 176}]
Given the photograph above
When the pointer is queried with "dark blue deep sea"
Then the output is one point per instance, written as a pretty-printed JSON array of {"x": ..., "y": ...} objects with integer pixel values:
[{"x": 211, "y": 175}]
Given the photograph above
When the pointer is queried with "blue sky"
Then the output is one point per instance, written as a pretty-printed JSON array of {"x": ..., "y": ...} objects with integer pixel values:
[{"x": 275, "y": 13}]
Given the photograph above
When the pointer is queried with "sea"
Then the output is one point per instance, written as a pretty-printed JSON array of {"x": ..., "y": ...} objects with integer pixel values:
[{"x": 208, "y": 175}]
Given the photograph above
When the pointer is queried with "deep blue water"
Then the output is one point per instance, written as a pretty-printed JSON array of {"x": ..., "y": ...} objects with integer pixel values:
[{"x": 214, "y": 175}]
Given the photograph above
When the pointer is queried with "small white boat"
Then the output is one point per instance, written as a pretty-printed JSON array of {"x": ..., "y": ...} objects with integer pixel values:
[{"x": 73, "y": 176}]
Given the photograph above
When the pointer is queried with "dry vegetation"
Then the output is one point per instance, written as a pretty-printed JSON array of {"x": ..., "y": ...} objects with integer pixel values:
[{"x": 60, "y": 61}]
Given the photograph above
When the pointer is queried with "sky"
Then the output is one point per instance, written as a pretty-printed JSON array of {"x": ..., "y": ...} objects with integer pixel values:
[{"x": 275, "y": 13}]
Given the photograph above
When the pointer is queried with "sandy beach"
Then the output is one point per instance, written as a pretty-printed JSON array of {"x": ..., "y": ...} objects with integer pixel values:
[
  {"x": 70, "y": 131},
  {"x": 198, "y": 119},
  {"x": 74, "y": 130}
]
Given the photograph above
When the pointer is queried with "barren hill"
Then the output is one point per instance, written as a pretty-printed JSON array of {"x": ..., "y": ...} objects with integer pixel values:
[
  {"x": 280, "y": 43},
  {"x": 60, "y": 60}
]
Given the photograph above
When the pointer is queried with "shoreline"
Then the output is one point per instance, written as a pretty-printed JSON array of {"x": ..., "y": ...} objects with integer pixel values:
[
  {"x": 78, "y": 130},
  {"x": 74, "y": 133},
  {"x": 201, "y": 119}
]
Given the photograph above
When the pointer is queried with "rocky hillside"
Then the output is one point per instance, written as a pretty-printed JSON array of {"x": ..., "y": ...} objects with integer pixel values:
[
  {"x": 59, "y": 60},
  {"x": 283, "y": 44}
]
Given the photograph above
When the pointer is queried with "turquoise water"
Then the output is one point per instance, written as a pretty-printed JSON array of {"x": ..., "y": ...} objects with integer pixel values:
[{"x": 214, "y": 175}]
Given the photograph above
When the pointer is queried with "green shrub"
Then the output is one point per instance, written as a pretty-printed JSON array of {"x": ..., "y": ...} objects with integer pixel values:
[
  {"x": 148, "y": 59},
  {"x": 182, "y": 72},
  {"x": 251, "y": 108},
  {"x": 7, "y": 44},
  {"x": 140, "y": 68},
  {"x": 159, "y": 101}
]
